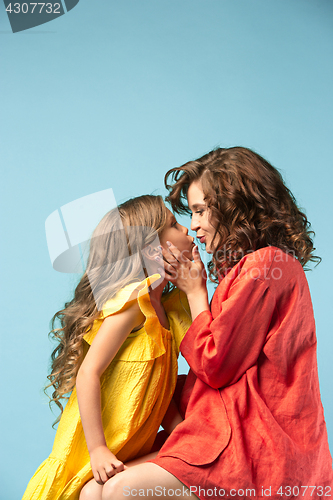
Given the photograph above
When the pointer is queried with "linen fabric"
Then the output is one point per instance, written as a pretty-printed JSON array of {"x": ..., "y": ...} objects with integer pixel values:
[
  {"x": 136, "y": 390},
  {"x": 254, "y": 423}
]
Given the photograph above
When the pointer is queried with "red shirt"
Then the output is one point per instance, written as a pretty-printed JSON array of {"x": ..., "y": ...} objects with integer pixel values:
[{"x": 254, "y": 417}]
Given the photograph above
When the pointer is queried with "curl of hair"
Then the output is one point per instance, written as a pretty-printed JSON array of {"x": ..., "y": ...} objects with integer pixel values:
[
  {"x": 115, "y": 260},
  {"x": 250, "y": 207}
]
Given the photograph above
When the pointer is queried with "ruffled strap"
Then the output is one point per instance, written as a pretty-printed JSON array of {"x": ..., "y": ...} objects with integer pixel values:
[
  {"x": 157, "y": 334},
  {"x": 148, "y": 342}
]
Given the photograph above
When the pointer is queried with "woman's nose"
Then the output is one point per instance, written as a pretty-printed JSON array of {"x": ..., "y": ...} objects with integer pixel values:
[{"x": 194, "y": 224}]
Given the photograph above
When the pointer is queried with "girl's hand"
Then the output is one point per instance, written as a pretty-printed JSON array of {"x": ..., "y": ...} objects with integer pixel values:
[
  {"x": 188, "y": 275},
  {"x": 104, "y": 464}
]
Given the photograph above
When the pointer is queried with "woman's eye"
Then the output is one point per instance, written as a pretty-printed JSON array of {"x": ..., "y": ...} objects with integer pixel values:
[{"x": 200, "y": 212}]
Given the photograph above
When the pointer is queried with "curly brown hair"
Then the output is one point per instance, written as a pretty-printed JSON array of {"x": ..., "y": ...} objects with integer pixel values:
[
  {"x": 250, "y": 206},
  {"x": 124, "y": 231}
]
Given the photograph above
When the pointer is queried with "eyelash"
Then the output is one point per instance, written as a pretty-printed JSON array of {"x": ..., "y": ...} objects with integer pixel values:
[{"x": 200, "y": 212}]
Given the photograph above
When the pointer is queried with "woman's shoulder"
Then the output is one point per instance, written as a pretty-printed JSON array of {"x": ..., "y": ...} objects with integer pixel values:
[
  {"x": 270, "y": 263},
  {"x": 269, "y": 267}
]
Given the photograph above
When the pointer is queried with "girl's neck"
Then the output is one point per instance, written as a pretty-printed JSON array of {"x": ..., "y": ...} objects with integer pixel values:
[
  {"x": 156, "y": 292},
  {"x": 155, "y": 299}
]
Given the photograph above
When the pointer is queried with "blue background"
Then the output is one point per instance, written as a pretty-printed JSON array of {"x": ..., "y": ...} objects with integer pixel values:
[{"x": 113, "y": 94}]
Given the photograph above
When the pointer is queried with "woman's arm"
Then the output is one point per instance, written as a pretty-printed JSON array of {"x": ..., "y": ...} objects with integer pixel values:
[
  {"x": 110, "y": 337},
  {"x": 220, "y": 350},
  {"x": 188, "y": 275}
]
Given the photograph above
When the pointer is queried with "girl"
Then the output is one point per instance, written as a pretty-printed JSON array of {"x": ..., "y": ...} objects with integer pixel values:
[
  {"x": 254, "y": 424},
  {"x": 118, "y": 342}
]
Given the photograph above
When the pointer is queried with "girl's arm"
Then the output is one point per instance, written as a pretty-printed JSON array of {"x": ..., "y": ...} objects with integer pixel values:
[{"x": 110, "y": 337}]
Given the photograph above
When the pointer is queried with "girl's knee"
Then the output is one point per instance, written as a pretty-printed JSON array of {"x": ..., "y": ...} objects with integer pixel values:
[
  {"x": 113, "y": 489},
  {"x": 91, "y": 491}
]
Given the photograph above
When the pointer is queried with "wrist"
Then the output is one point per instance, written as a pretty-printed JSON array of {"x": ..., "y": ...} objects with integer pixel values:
[
  {"x": 95, "y": 447},
  {"x": 198, "y": 303},
  {"x": 198, "y": 295}
]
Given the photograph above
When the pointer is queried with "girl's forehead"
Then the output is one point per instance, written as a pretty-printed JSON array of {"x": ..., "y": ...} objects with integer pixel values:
[{"x": 170, "y": 215}]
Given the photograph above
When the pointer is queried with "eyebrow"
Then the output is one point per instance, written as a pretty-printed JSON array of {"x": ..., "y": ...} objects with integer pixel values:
[{"x": 198, "y": 205}]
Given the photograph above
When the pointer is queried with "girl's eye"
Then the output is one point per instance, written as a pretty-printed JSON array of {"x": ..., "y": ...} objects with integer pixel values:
[{"x": 174, "y": 224}]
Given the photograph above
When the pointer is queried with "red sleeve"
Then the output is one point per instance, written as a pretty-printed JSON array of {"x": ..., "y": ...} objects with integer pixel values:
[{"x": 220, "y": 350}]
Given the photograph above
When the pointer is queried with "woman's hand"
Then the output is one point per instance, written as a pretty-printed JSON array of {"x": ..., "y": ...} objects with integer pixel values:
[
  {"x": 188, "y": 275},
  {"x": 104, "y": 464}
]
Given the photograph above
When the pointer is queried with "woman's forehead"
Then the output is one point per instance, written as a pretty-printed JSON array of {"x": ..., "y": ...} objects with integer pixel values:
[{"x": 195, "y": 195}]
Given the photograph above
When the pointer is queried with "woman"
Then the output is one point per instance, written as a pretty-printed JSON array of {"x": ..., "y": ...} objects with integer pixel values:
[{"x": 254, "y": 423}]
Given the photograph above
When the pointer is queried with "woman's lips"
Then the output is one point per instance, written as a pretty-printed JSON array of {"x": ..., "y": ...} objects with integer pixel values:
[{"x": 202, "y": 239}]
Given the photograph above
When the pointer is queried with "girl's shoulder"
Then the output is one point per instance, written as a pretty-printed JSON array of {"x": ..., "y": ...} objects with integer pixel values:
[{"x": 133, "y": 294}]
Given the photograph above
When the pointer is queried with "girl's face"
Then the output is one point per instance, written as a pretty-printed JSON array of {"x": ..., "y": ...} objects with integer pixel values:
[
  {"x": 178, "y": 235},
  {"x": 200, "y": 215}
]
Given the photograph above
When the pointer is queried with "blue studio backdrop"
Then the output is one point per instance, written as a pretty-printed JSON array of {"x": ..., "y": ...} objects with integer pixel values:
[{"x": 112, "y": 94}]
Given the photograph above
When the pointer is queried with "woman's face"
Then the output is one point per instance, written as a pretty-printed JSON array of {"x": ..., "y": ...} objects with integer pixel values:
[
  {"x": 178, "y": 235},
  {"x": 200, "y": 215}
]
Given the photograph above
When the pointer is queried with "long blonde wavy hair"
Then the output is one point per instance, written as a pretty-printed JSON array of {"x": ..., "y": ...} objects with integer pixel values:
[{"x": 115, "y": 260}]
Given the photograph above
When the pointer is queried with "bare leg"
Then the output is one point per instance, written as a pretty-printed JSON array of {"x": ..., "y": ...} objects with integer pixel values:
[
  {"x": 93, "y": 491},
  {"x": 149, "y": 479}
]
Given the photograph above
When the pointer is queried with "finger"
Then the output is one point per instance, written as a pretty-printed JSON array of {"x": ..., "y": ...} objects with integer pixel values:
[
  {"x": 196, "y": 254},
  {"x": 98, "y": 478},
  {"x": 119, "y": 466},
  {"x": 167, "y": 276},
  {"x": 110, "y": 471},
  {"x": 179, "y": 256},
  {"x": 162, "y": 262},
  {"x": 171, "y": 253},
  {"x": 166, "y": 256},
  {"x": 169, "y": 271},
  {"x": 103, "y": 475}
]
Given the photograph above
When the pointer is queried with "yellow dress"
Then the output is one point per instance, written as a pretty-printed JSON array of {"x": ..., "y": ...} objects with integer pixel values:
[{"x": 136, "y": 390}]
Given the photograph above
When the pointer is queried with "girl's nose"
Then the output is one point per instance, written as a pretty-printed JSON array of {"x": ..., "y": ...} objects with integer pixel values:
[{"x": 184, "y": 229}]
